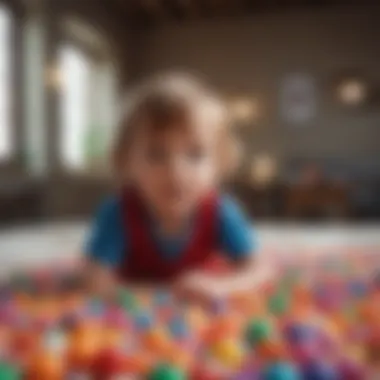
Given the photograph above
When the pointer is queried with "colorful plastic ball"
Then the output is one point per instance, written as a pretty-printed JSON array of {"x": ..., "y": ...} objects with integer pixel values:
[
  {"x": 349, "y": 369},
  {"x": 156, "y": 340},
  {"x": 69, "y": 321},
  {"x": 201, "y": 372},
  {"x": 178, "y": 328},
  {"x": 55, "y": 341},
  {"x": 143, "y": 320},
  {"x": 296, "y": 333},
  {"x": 218, "y": 306},
  {"x": 221, "y": 327},
  {"x": 9, "y": 372},
  {"x": 24, "y": 342},
  {"x": 81, "y": 351},
  {"x": 272, "y": 350},
  {"x": 278, "y": 304},
  {"x": 95, "y": 307},
  {"x": 248, "y": 374},
  {"x": 127, "y": 300},
  {"x": 162, "y": 298},
  {"x": 228, "y": 352},
  {"x": 7, "y": 314},
  {"x": 318, "y": 370},
  {"x": 304, "y": 352},
  {"x": 258, "y": 331},
  {"x": 137, "y": 363},
  {"x": 78, "y": 376},
  {"x": 46, "y": 366},
  {"x": 281, "y": 371},
  {"x": 166, "y": 372},
  {"x": 376, "y": 280},
  {"x": 116, "y": 318},
  {"x": 107, "y": 363},
  {"x": 357, "y": 288}
]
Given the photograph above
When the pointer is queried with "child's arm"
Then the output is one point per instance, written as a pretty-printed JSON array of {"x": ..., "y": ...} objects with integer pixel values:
[
  {"x": 239, "y": 268},
  {"x": 240, "y": 277},
  {"x": 99, "y": 279},
  {"x": 104, "y": 249}
]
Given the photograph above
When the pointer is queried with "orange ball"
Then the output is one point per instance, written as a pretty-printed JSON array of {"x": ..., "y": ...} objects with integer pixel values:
[
  {"x": 111, "y": 337},
  {"x": 177, "y": 356},
  {"x": 137, "y": 364},
  {"x": 222, "y": 327},
  {"x": 369, "y": 312},
  {"x": 25, "y": 342},
  {"x": 156, "y": 340},
  {"x": 82, "y": 349},
  {"x": 87, "y": 330},
  {"x": 272, "y": 350},
  {"x": 71, "y": 302},
  {"x": 46, "y": 366}
]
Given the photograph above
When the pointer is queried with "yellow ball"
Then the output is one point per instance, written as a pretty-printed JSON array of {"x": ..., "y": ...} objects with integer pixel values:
[{"x": 229, "y": 352}]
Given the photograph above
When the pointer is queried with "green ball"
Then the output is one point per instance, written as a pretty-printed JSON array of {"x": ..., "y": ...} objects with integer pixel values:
[
  {"x": 166, "y": 372},
  {"x": 258, "y": 331},
  {"x": 278, "y": 304},
  {"x": 9, "y": 372},
  {"x": 127, "y": 300}
]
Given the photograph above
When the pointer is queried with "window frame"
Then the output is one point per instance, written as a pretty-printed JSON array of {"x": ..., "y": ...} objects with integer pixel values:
[
  {"x": 97, "y": 55},
  {"x": 13, "y": 162}
]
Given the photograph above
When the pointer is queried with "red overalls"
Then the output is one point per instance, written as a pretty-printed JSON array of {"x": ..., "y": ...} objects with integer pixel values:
[{"x": 145, "y": 262}]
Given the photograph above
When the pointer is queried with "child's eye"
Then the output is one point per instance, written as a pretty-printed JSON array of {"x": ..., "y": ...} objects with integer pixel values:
[{"x": 196, "y": 154}]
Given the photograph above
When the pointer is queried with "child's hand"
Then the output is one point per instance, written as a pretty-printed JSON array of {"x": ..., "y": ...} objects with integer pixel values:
[
  {"x": 100, "y": 280},
  {"x": 194, "y": 287},
  {"x": 203, "y": 287}
]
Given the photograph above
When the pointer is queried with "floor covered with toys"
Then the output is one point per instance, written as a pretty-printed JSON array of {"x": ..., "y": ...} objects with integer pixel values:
[{"x": 318, "y": 320}]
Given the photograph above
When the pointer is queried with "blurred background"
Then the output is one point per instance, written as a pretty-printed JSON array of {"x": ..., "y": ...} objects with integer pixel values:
[{"x": 301, "y": 78}]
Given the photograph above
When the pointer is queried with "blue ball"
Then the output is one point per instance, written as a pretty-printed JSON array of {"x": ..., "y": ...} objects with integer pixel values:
[
  {"x": 299, "y": 333},
  {"x": 178, "y": 328},
  {"x": 95, "y": 307},
  {"x": 143, "y": 321},
  {"x": 319, "y": 371},
  {"x": 281, "y": 371},
  {"x": 357, "y": 289}
]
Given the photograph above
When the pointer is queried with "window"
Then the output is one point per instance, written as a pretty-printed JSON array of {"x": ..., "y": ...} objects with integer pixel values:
[
  {"x": 88, "y": 109},
  {"x": 6, "y": 145},
  {"x": 75, "y": 118}
]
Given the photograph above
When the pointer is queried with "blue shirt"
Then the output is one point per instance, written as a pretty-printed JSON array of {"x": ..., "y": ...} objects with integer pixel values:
[{"x": 108, "y": 240}]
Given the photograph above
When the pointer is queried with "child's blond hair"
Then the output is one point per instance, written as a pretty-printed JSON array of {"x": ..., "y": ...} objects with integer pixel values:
[{"x": 175, "y": 100}]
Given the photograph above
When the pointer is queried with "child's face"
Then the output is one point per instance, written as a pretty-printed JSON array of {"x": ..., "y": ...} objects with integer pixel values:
[{"x": 173, "y": 168}]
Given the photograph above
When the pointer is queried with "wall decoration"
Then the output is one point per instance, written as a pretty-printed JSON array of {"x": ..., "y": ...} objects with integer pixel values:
[
  {"x": 263, "y": 169},
  {"x": 245, "y": 109},
  {"x": 352, "y": 91},
  {"x": 298, "y": 103}
]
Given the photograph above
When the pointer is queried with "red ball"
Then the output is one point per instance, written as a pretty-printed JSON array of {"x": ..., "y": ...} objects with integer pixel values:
[
  {"x": 106, "y": 364},
  {"x": 202, "y": 373}
]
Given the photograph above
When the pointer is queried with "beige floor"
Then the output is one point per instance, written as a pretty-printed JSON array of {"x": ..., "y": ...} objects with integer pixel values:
[{"x": 36, "y": 245}]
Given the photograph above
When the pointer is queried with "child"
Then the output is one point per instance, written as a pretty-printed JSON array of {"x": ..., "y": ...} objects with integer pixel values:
[{"x": 169, "y": 219}]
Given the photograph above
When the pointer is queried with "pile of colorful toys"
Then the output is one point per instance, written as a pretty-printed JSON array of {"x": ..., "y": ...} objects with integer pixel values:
[{"x": 315, "y": 322}]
